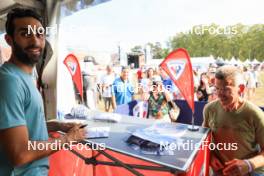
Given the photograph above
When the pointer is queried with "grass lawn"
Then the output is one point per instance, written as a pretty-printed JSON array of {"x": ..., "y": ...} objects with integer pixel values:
[{"x": 258, "y": 99}]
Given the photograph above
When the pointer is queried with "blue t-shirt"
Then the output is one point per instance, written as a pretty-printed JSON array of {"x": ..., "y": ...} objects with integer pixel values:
[
  {"x": 21, "y": 105},
  {"x": 123, "y": 91}
]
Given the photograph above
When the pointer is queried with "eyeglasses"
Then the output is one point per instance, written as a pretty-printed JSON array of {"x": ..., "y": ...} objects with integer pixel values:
[{"x": 226, "y": 89}]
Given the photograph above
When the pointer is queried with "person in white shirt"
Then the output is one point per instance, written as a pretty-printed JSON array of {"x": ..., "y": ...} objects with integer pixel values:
[
  {"x": 251, "y": 83},
  {"x": 106, "y": 82}
]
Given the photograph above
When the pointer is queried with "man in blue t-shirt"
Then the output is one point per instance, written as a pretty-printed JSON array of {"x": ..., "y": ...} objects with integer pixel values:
[
  {"x": 122, "y": 89},
  {"x": 23, "y": 129}
]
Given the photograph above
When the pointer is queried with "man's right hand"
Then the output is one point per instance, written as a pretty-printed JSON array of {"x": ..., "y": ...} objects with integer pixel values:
[
  {"x": 76, "y": 133},
  {"x": 216, "y": 163}
]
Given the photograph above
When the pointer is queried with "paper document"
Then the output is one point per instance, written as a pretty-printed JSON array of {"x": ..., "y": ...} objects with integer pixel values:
[
  {"x": 96, "y": 132},
  {"x": 110, "y": 117},
  {"x": 162, "y": 133}
]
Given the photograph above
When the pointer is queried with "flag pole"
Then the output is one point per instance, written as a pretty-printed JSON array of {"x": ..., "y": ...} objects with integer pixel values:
[
  {"x": 193, "y": 127},
  {"x": 179, "y": 68}
]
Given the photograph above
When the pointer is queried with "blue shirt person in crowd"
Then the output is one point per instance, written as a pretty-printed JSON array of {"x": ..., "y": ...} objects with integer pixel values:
[
  {"x": 22, "y": 120},
  {"x": 122, "y": 89}
]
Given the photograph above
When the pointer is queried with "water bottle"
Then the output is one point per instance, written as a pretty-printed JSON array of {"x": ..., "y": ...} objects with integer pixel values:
[{"x": 60, "y": 115}]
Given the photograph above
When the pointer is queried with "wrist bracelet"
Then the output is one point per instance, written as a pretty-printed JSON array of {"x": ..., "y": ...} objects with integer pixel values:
[{"x": 250, "y": 169}]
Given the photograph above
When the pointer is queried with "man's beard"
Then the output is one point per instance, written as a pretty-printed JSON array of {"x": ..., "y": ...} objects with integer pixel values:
[{"x": 24, "y": 58}]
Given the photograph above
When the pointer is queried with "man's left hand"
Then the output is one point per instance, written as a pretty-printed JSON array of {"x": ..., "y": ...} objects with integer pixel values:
[{"x": 235, "y": 167}]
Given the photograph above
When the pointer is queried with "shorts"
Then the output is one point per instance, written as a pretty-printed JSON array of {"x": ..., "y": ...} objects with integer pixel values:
[{"x": 107, "y": 102}]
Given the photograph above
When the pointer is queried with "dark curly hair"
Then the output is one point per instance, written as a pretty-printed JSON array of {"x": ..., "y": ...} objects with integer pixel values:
[{"x": 19, "y": 13}]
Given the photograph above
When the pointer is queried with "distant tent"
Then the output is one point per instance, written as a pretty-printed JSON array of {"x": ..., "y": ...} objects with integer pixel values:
[
  {"x": 202, "y": 63},
  {"x": 255, "y": 61},
  {"x": 233, "y": 61},
  {"x": 247, "y": 62},
  {"x": 220, "y": 61},
  {"x": 90, "y": 59},
  {"x": 239, "y": 62}
]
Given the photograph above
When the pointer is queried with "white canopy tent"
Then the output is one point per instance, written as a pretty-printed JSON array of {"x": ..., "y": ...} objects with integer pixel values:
[
  {"x": 247, "y": 62},
  {"x": 255, "y": 61}
]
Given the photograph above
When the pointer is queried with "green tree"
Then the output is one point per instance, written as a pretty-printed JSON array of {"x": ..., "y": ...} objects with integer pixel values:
[
  {"x": 239, "y": 41},
  {"x": 137, "y": 49}
]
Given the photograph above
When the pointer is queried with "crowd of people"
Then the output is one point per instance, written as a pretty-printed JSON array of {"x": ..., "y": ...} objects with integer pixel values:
[
  {"x": 139, "y": 83},
  {"x": 152, "y": 85}
]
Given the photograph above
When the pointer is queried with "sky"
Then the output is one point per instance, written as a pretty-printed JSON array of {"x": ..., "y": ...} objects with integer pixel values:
[{"x": 136, "y": 22}]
